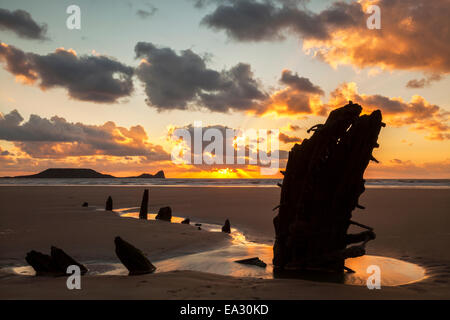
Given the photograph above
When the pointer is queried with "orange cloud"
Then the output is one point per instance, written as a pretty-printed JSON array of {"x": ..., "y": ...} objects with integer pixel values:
[
  {"x": 290, "y": 101},
  {"x": 17, "y": 63},
  {"x": 300, "y": 96},
  {"x": 413, "y": 36},
  {"x": 289, "y": 139},
  {"x": 418, "y": 114}
]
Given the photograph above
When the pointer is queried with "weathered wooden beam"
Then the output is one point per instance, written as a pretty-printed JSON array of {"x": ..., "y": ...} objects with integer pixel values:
[
  {"x": 109, "y": 204},
  {"x": 164, "y": 213},
  {"x": 252, "y": 261},
  {"x": 143, "y": 211},
  {"x": 54, "y": 264},
  {"x": 360, "y": 225},
  {"x": 63, "y": 260},
  {"x": 132, "y": 258},
  {"x": 226, "y": 226},
  {"x": 322, "y": 183},
  {"x": 360, "y": 237}
]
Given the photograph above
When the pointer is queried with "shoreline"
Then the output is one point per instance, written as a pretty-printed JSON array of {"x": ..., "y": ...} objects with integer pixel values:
[
  {"x": 210, "y": 183},
  {"x": 212, "y": 186}
]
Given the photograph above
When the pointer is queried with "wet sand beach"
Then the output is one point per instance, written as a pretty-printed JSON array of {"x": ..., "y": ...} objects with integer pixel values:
[{"x": 411, "y": 224}]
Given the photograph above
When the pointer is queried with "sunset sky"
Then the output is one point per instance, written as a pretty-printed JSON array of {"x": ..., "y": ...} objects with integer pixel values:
[{"x": 108, "y": 96}]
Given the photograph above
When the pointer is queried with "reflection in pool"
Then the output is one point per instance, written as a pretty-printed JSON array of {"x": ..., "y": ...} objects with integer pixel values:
[{"x": 394, "y": 272}]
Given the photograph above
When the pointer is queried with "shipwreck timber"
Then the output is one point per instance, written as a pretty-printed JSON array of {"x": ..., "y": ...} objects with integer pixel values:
[{"x": 322, "y": 183}]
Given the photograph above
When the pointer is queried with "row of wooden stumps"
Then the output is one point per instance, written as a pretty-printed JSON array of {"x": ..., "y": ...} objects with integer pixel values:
[
  {"x": 321, "y": 187},
  {"x": 132, "y": 258},
  {"x": 164, "y": 213}
]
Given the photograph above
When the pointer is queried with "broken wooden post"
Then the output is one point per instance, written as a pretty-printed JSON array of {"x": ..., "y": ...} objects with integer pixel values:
[
  {"x": 54, "y": 264},
  {"x": 109, "y": 204},
  {"x": 164, "y": 213},
  {"x": 63, "y": 260},
  {"x": 226, "y": 227},
  {"x": 132, "y": 258},
  {"x": 144, "y": 206},
  {"x": 43, "y": 264},
  {"x": 252, "y": 261},
  {"x": 321, "y": 187}
]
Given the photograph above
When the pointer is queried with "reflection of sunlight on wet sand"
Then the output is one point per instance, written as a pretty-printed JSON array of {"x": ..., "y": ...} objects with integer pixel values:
[
  {"x": 221, "y": 261},
  {"x": 394, "y": 272},
  {"x": 23, "y": 270},
  {"x": 95, "y": 268},
  {"x": 151, "y": 216}
]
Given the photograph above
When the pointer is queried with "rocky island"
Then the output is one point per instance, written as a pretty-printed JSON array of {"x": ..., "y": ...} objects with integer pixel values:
[{"x": 80, "y": 173}]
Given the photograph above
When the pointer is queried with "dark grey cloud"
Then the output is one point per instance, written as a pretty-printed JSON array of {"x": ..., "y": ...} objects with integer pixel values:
[
  {"x": 204, "y": 3},
  {"x": 251, "y": 20},
  {"x": 17, "y": 62},
  {"x": 183, "y": 81},
  {"x": 199, "y": 4},
  {"x": 172, "y": 80},
  {"x": 146, "y": 13},
  {"x": 300, "y": 83},
  {"x": 299, "y": 96},
  {"x": 239, "y": 91},
  {"x": 294, "y": 127},
  {"x": 97, "y": 79},
  {"x": 56, "y": 137},
  {"x": 420, "y": 115},
  {"x": 424, "y": 82},
  {"x": 340, "y": 34},
  {"x": 387, "y": 104},
  {"x": 21, "y": 23},
  {"x": 288, "y": 139}
]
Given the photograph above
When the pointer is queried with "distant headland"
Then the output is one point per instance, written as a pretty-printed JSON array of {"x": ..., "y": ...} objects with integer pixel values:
[{"x": 74, "y": 173}]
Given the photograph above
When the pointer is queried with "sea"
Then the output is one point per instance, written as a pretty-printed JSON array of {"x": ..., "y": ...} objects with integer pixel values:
[{"x": 170, "y": 182}]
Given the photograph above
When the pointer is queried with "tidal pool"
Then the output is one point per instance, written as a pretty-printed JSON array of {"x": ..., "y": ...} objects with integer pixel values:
[{"x": 394, "y": 272}]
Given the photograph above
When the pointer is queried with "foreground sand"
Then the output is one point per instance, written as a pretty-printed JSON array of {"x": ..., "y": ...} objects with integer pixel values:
[{"x": 411, "y": 224}]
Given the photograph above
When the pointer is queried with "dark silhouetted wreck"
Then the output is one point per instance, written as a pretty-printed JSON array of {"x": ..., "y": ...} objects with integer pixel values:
[{"x": 321, "y": 187}]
